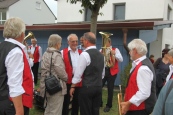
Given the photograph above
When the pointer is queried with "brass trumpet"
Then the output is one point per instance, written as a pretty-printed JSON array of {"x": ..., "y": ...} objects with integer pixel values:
[
  {"x": 30, "y": 35},
  {"x": 119, "y": 100}
]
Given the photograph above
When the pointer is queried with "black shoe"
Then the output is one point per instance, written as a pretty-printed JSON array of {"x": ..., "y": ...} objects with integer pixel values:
[{"x": 106, "y": 109}]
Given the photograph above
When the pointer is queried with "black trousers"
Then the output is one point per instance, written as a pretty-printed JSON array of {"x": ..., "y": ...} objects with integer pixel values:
[
  {"x": 110, "y": 86},
  {"x": 35, "y": 72},
  {"x": 7, "y": 108},
  {"x": 75, "y": 103},
  {"x": 139, "y": 112},
  {"x": 89, "y": 100},
  {"x": 65, "y": 109}
]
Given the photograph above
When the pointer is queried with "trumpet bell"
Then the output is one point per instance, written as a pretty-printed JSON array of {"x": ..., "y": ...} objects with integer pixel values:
[{"x": 30, "y": 35}]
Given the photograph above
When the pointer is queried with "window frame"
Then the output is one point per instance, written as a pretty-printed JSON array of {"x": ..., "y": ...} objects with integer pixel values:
[{"x": 114, "y": 10}]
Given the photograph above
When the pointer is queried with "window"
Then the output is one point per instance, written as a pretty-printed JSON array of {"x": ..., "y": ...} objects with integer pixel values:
[
  {"x": 38, "y": 5},
  {"x": 169, "y": 13},
  {"x": 87, "y": 14},
  {"x": 2, "y": 17},
  {"x": 119, "y": 12}
]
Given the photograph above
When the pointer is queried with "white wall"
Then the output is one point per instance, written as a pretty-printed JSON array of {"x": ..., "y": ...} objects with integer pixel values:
[
  {"x": 26, "y": 10},
  {"x": 167, "y": 32},
  {"x": 69, "y": 12},
  {"x": 155, "y": 46},
  {"x": 135, "y": 9}
]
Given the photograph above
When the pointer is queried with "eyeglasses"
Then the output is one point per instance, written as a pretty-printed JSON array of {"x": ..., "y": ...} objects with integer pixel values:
[{"x": 74, "y": 41}]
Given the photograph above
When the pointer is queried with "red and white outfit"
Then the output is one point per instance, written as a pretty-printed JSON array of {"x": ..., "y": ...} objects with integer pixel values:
[
  {"x": 139, "y": 85},
  {"x": 20, "y": 79}
]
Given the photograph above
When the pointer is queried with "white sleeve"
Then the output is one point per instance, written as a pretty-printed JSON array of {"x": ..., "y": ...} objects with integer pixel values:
[
  {"x": 118, "y": 55},
  {"x": 40, "y": 53},
  {"x": 15, "y": 65},
  {"x": 84, "y": 61},
  {"x": 144, "y": 82}
]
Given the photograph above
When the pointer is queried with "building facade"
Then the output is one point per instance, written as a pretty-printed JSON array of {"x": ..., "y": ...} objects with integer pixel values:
[
  {"x": 126, "y": 10},
  {"x": 30, "y": 11}
]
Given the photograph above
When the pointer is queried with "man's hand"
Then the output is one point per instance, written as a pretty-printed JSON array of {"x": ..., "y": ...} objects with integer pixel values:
[
  {"x": 125, "y": 107},
  {"x": 113, "y": 52},
  {"x": 31, "y": 55},
  {"x": 72, "y": 89}
]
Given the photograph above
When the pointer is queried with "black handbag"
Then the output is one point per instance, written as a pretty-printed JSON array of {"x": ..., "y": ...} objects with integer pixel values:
[{"x": 52, "y": 84}]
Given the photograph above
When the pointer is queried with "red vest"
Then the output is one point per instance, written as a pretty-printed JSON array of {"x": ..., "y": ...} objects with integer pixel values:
[
  {"x": 171, "y": 76},
  {"x": 132, "y": 88},
  {"x": 27, "y": 97},
  {"x": 68, "y": 66},
  {"x": 114, "y": 70},
  {"x": 36, "y": 54}
]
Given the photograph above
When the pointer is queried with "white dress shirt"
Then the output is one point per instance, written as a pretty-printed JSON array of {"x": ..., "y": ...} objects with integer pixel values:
[
  {"x": 144, "y": 81},
  {"x": 15, "y": 65},
  {"x": 118, "y": 55},
  {"x": 170, "y": 73},
  {"x": 74, "y": 57},
  {"x": 30, "y": 60},
  {"x": 39, "y": 49},
  {"x": 83, "y": 62}
]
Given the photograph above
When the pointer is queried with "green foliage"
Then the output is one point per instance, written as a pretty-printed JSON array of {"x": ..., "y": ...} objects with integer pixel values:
[
  {"x": 81, "y": 11},
  {"x": 91, "y": 4},
  {"x": 124, "y": 75}
]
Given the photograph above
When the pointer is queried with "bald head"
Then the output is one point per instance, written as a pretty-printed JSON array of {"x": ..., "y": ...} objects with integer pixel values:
[{"x": 90, "y": 37}]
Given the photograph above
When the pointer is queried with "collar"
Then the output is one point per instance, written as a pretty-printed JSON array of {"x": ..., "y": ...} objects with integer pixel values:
[
  {"x": 34, "y": 46},
  {"x": 137, "y": 61},
  {"x": 69, "y": 49},
  {"x": 15, "y": 42},
  {"x": 90, "y": 47}
]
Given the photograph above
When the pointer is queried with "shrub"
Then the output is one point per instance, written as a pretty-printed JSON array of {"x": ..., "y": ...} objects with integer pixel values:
[{"x": 124, "y": 75}]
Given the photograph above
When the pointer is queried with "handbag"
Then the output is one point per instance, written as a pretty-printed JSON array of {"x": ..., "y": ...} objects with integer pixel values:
[{"x": 52, "y": 84}]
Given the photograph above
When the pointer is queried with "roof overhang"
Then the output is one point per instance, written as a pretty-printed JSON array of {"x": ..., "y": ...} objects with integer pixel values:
[{"x": 108, "y": 25}]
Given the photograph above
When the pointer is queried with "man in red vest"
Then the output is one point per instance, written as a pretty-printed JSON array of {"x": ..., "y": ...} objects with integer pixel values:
[
  {"x": 16, "y": 83},
  {"x": 36, "y": 51},
  {"x": 140, "y": 92},
  {"x": 111, "y": 73},
  {"x": 71, "y": 56}
]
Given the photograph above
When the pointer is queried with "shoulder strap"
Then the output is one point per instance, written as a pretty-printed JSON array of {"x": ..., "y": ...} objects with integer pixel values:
[
  {"x": 167, "y": 93},
  {"x": 69, "y": 57},
  {"x": 51, "y": 63}
]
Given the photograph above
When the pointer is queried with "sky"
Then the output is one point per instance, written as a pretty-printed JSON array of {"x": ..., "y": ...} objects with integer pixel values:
[{"x": 52, "y": 5}]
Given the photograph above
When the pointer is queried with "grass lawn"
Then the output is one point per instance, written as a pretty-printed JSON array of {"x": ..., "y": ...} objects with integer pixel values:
[{"x": 113, "y": 111}]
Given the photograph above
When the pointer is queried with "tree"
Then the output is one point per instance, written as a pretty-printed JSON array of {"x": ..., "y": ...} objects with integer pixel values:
[{"x": 94, "y": 6}]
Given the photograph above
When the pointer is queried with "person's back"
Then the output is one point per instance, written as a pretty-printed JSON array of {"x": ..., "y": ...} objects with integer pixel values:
[
  {"x": 164, "y": 102},
  {"x": 94, "y": 70}
]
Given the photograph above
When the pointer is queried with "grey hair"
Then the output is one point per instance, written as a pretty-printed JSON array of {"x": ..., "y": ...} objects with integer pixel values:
[
  {"x": 91, "y": 39},
  {"x": 139, "y": 45},
  {"x": 171, "y": 52},
  {"x": 33, "y": 39},
  {"x": 13, "y": 28},
  {"x": 53, "y": 40},
  {"x": 71, "y": 35}
]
